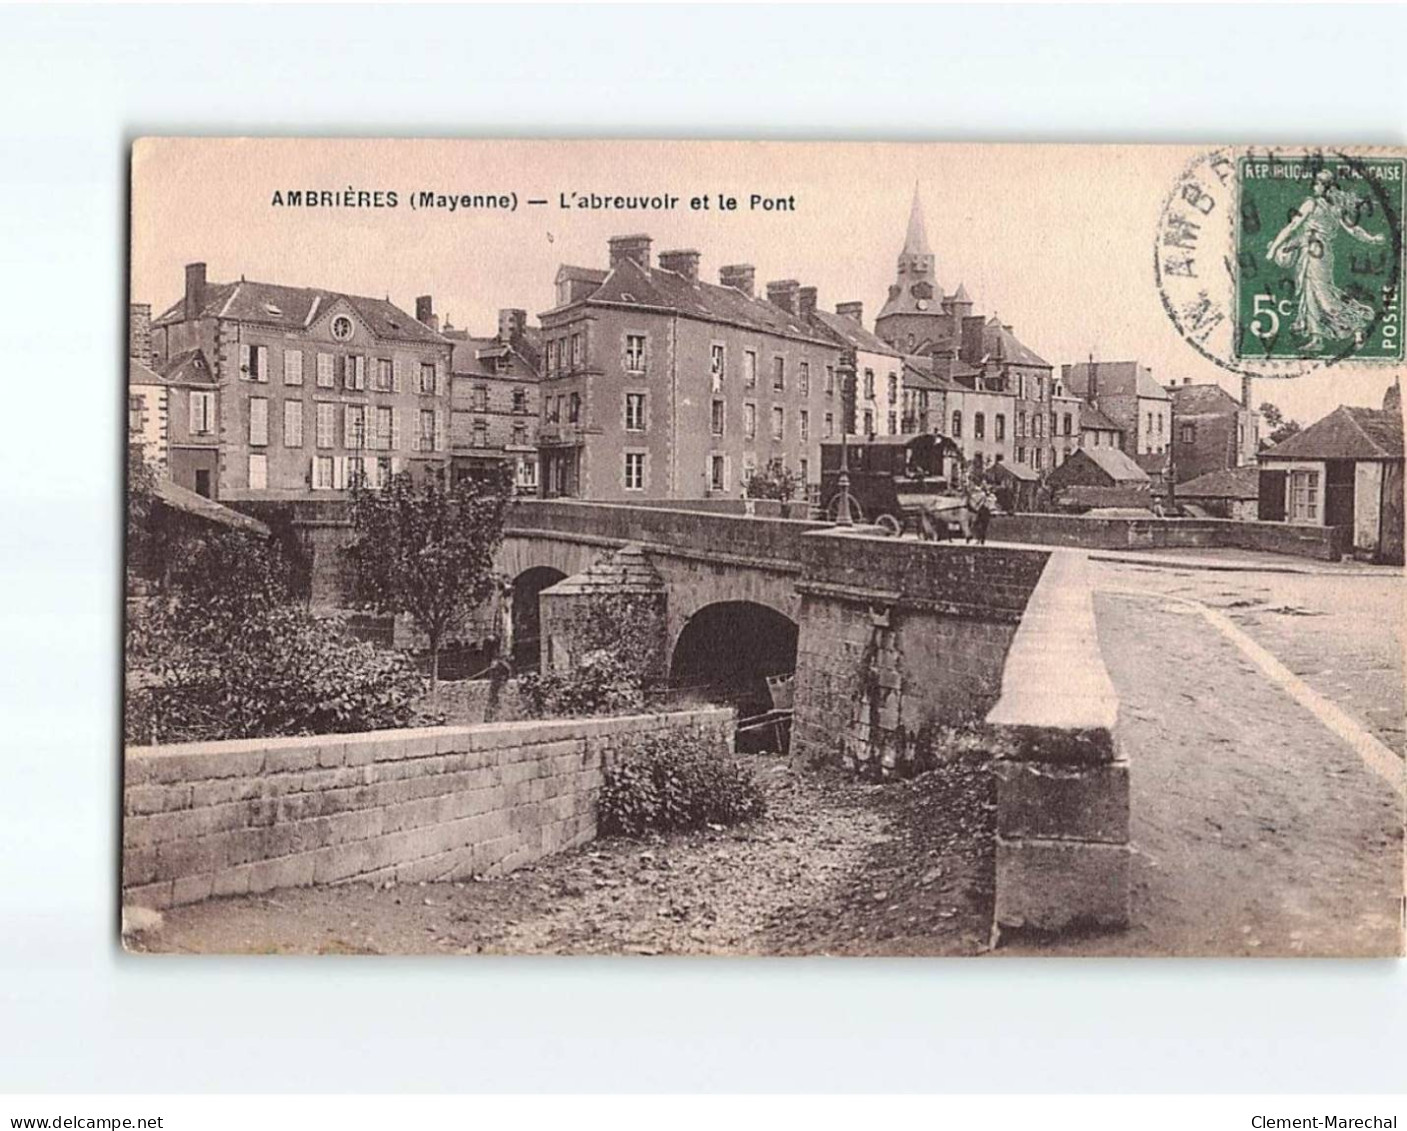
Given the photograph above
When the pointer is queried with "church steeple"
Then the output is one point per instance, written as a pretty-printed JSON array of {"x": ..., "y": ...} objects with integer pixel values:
[
  {"x": 916, "y": 260},
  {"x": 916, "y": 239}
]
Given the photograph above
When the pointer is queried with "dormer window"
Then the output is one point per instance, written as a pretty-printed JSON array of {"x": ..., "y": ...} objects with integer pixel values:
[{"x": 272, "y": 309}]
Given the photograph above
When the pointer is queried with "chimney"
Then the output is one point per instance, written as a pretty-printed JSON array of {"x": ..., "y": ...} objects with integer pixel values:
[
  {"x": 425, "y": 312},
  {"x": 1246, "y": 395},
  {"x": 855, "y": 310},
  {"x": 139, "y": 332},
  {"x": 636, "y": 247},
  {"x": 1392, "y": 399},
  {"x": 739, "y": 276},
  {"x": 195, "y": 289},
  {"x": 782, "y": 293},
  {"x": 806, "y": 301},
  {"x": 1187, "y": 380},
  {"x": 685, "y": 263},
  {"x": 511, "y": 325},
  {"x": 1092, "y": 385}
]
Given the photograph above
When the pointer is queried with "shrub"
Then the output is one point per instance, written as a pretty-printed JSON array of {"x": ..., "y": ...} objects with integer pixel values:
[
  {"x": 603, "y": 683},
  {"x": 224, "y": 652},
  {"x": 675, "y": 783}
]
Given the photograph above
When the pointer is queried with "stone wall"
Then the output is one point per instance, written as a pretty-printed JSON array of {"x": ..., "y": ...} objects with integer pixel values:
[
  {"x": 1062, "y": 783},
  {"x": 897, "y": 638},
  {"x": 225, "y": 818},
  {"x": 1325, "y": 543}
]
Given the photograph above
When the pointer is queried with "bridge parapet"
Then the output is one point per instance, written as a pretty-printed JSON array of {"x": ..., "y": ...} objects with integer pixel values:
[
  {"x": 770, "y": 542},
  {"x": 1062, "y": 782}
]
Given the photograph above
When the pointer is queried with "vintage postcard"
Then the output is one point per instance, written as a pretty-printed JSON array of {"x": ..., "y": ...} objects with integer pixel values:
[{"x": 741, "y": 548}]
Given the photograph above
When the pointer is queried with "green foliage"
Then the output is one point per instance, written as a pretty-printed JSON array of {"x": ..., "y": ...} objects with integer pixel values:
[
  {"x": 222, "y": 651},
  {"x": 776, "y": 481},
  {"x": 675, "y": 783},
  {"x": 426, "y": 551},
  {"x": 141, "y": 488},
  {"x": 600, "y": 683},
  {"x": 1281, "y": 427}
]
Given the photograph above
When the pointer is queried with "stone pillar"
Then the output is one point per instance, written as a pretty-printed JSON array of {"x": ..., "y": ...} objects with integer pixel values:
[{"x": 1062, "y": 782}]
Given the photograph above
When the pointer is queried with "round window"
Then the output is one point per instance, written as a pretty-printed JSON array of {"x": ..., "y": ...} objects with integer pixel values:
[{"x": 341, "y": 327}]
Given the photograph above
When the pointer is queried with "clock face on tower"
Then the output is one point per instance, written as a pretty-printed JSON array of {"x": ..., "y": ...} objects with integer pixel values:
[{"x": 921, "y": 290}]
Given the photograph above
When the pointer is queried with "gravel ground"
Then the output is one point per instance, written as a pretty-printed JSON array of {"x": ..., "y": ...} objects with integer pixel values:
[{"x": 836, "y": 867}]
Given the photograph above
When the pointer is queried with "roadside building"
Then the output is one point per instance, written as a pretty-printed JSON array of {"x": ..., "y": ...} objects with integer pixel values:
[
  {"x": 1016, "y": 486},
  {"x": 1212, "y": 430},
  {"x": 869, "y": 371},
  {"x": 1344, "y": 470},
  {"x": 1100, "y": 477},
  {"x": 1066, "y": 423},
  {"x": 1097, "y": 430},
  {"x": 1231, "y": 492},
  {"x": 494, "y": 406},
  {"x": 171, "y": 410},
  {"x": 1125, "y": 392},
  {"x": 658, "y": 385},
  {"x": 313, "y": 388}
]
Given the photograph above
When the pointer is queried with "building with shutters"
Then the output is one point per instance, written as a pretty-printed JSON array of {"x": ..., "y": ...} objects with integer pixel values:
[
  {"x": 1345, "y": 471},
  {"x": 1211, "y": 429},
  {"x": 313, "y": 388},
  {"x": 172, "y": 410},
  {"x": 659, "y": 385},
  {"x": 494, "y": 402}
]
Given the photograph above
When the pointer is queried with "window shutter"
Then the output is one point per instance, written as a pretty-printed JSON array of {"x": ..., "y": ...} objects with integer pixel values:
[
  {"x": 339, "y": 472},
  {"x": 195, "y": 413},
  {"x": 395, "y": 465},
  {"x": 348, "y": 370},
  {"x": 349, "y": 439},
  {"x": 439, "y": 430},
  {"x": 244, "y": 360},
  {"x": 397, "y": 374},
  {"x": 368, "y": 470},
  {"x": 263, "y": 362},
  {"x": 396, "y": 429}
]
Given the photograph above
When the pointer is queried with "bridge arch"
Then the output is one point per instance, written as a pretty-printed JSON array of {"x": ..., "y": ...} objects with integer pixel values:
[
  {"x": 526, "y": 616},
  {"x": 728, "y": 648}
]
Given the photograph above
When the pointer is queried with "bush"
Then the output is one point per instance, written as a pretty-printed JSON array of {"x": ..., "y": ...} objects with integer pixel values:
[
  {"x": 675, "y": 783},
  {"x": 224, "y": 652},
  {"x": 603, "y": 683}
]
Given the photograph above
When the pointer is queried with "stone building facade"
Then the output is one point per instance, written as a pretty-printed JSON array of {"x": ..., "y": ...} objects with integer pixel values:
[
  {"x": 494, "y": 404},
  {"x": 658, "y": 385},
  {"x": 1212, "y": 430},
  {"x": 172, "y": 410},
  {"x": 314, "y": 388}
]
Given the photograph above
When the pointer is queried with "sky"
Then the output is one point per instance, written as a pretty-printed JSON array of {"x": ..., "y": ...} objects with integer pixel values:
[{"x": 1056, "y": 240}]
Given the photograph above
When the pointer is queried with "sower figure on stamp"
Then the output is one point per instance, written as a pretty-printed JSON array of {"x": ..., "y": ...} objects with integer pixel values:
[{"x": 1306, "y": 246}]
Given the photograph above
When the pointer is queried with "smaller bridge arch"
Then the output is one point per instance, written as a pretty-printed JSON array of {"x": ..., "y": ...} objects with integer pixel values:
[
  {"x": 727, "y": 650},
  {"x": 525, "y": 614}
]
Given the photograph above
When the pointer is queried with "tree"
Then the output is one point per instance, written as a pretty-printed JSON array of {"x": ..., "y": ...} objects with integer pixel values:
[
  {"x": 1281, "y": 428},
  {"x": 427, "y": 551}
]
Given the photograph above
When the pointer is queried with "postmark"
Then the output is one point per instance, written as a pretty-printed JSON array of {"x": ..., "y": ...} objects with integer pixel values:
[{"x": 1280, "y": 262}]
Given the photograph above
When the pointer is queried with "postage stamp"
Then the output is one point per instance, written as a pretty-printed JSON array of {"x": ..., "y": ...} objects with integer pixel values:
[{"x": 1275, "y": 263}]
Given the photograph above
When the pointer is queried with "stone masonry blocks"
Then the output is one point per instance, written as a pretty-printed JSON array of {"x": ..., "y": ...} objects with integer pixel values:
[
  {"x": 1051, "y": 886},
  {"x": 218, "y": 819}
]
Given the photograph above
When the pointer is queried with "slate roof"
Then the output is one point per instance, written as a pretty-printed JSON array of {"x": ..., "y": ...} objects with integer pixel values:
[
  {"x": 272, "y": 304},
  {"x": 918, "y": 374},
  {"x": 1094, "y": 420},
  {"x": 467, "y": 358},
  {"x": 181, "y": 499},
  {"x": 629, "y": 284},
  {"x": 1016, "y": 471},
  {"x": 1002, "y": 345},
  {"x": 189, "y": 368},
  {"x": 1203, "y": 400},
  {"x": 1226, "y": 483},
  {"x": 852, "y": 333},
  {"x": 1115, "y": 378},
  {"x": 1118, "y": 465},
  {"x": 628, "y": 570},
  {"x": 1346, "y": 433}
]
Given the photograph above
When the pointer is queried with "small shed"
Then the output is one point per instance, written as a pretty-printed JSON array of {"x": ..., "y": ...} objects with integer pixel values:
[
  {"x": 1099, "y": 467},
  {"x": 1015, "y": 486},
  {"x": 1229, "y": 493}
]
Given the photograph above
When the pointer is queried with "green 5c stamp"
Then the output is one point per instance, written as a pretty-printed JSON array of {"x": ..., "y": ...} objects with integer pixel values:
[
  {"x": 1317, "y": 252},
  {"x": 1282, "y": 262}
]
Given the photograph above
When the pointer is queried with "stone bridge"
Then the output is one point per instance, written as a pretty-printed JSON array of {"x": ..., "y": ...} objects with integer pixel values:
[{"x": 891, "y": 641}]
